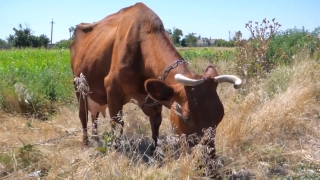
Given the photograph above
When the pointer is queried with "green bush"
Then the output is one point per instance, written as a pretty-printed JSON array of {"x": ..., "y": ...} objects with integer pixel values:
[
  {"x": 224, "y": 43},
  {"x": 63, "y": 44},
  {"x": 291, "y": 42}
]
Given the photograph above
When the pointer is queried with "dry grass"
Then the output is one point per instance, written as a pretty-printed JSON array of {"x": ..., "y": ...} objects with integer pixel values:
[{"x": 266, "y": 132}]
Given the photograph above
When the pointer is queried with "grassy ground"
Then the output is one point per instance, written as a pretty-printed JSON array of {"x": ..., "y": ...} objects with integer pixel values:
[{"x": 270, "y": 131}]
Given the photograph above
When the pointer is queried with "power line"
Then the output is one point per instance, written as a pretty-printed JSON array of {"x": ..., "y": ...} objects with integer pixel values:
[{"x": 51, "y": 29}]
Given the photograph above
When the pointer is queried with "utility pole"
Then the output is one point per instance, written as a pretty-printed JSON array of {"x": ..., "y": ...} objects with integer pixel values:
[
  {"x": 229, "y": 35},
  {"x": 51, "y": 29}
]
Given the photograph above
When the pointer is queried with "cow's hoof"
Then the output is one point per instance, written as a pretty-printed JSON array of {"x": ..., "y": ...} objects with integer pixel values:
[
  {"x": 95, "y": 137},
  {"x": 115, "y": 146},
  {"x": 85, "y": 142},
  {"x": 152, "y": 149},
  {"x": 85, "y": 146}
]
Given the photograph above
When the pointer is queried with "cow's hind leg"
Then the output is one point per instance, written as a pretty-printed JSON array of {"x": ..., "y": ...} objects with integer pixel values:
[
  {"x": 95, "y": 126},
  {"x": 83, "y": 115}
]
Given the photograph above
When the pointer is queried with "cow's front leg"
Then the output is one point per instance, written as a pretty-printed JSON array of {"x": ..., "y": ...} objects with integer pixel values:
[
  {"x": 155, "y": 118},
  {"x": 115, "y": 104},
  {"x": 155, "y": 122}
]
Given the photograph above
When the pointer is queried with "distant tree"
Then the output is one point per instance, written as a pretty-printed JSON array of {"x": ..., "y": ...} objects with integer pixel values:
[
  {"x": 169, "y": 32},
  {"x": 224, "y": 43},
  {"x": 183, "y": 42},
  {"x": 71, "y": 31},
  {"x": 4, "y": 44},
  {"x": 10, "y": 39},
  {"x": 316, "y": 31},
  {"x": 63, "y": 44},
  {"x": 175, "y": 35},
  {"x": 237, "y": 36},
  {"x": 44, "y": 40},
  {"x": 23, "y": 37},
  {"x": 191, "y": 39}
]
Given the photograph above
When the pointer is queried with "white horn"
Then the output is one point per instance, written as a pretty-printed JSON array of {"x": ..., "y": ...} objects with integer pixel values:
[
  {"x": 230, "y": 79},
  {"x": 187, "y": 81}
]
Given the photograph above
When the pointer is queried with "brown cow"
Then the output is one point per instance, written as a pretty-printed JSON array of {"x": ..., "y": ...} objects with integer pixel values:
[{"x": 129, "y": 55}]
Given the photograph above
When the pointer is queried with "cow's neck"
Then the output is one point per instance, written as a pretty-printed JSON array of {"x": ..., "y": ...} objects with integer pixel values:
[{"x": 162, "y": 55}]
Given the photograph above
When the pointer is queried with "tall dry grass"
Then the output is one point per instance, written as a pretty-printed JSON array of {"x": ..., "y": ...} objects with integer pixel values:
[
  {"x": 276, "y": 124},
  {"x": 269, "y": 131}
]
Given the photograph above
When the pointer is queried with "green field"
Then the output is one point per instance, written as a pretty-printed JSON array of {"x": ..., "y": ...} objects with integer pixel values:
[{"x": 46, "y": 73}]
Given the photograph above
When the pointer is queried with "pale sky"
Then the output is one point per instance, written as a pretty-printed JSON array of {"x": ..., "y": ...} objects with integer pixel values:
[{"x": 208, "y": 18}]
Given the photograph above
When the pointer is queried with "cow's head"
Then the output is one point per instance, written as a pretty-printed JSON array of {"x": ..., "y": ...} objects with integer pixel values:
[{"x": 194, "y": 101}]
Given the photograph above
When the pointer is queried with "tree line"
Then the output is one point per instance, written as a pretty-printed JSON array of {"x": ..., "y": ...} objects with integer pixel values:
[
  {"x": 23, "y": 37},
  {"x": 191, "y": 39}
]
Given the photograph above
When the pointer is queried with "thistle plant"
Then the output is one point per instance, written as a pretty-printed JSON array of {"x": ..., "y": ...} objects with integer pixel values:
[{"x": 252, "y": 59}]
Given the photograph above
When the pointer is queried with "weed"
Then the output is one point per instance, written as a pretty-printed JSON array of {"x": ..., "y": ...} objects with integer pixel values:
[{"x": 28, "y": 155}]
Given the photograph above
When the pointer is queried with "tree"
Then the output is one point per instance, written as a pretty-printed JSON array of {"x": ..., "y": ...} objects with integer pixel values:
[
  {"x": 4, "y": 44},
  {"x": 183, "y": 42},
  {"x": 44, "y": 40},
  {"x": 175, "y": 35},
  {"x": 169, "y": 32},
  {"x": 63, "y": 44},
  {"x": 224, "y": 43},
  {"x": 191, "y": 39},
  {"x": 23, "y": 37},
  {"x": 237, "y": 36},
  {"x": 71, "y": 31}
]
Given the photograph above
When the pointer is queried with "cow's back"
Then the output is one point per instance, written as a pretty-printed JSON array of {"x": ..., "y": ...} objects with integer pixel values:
[
  {"x": 91, "y": 53},
  {"x": 115, "y": 45}
]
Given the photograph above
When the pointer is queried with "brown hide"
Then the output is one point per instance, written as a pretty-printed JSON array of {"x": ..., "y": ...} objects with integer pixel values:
[{"x": 122, "y": 57}]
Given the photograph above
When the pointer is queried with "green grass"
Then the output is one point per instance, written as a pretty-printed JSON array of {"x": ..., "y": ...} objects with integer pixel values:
[
  {"x": 46, "y": 73},
  {"x": 210, "y": 55}
]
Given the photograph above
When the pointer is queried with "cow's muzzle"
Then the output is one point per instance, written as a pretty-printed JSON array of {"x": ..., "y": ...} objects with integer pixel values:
[{"x": 177, "y": 109}]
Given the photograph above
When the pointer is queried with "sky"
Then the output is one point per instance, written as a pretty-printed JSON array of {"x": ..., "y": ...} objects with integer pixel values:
[{"x": 208, "y": 18}]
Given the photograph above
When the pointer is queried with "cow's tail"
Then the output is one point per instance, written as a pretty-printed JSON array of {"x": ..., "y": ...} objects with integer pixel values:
[{"x": 81, "y": 85}]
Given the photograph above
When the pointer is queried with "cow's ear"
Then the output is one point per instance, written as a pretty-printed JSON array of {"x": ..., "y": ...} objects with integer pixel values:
[
  {"x": 158, "y": 90},
  {"x": 210, "y": 72}
]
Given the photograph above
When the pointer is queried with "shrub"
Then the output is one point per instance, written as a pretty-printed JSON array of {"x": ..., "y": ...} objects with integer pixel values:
[
  {"x": 291, "y": 42},
  {"x": 224, "y": 43},
  {"x": 63, "y": 44}
]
